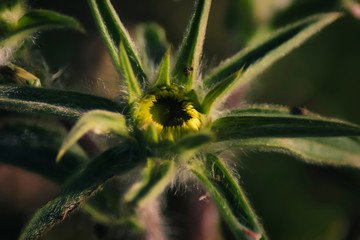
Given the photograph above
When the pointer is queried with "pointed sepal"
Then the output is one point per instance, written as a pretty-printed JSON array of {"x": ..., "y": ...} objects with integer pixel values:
[
  {"x": 163, "y": 78},
  {"x": 220, "y": 90},
  {"x": 155, "y": 177},
  {"x": 134, "y": 91},
  {"x": 114, "y": 32},
  {"x": 187, "y": 62},
  {"x": 97, "y": 120}
]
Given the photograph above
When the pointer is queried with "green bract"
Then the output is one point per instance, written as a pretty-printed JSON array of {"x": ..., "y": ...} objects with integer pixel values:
[{"x": 171, "y": 122}]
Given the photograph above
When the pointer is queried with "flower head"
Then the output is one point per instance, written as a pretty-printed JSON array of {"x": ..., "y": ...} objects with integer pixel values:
[{"x": 169, "y": 108}]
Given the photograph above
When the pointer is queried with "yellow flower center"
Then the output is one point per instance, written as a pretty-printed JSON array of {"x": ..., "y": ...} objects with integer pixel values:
[{"x": 169, "y": 109}]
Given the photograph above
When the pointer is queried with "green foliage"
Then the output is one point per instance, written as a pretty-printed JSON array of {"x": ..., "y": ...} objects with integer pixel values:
[
  {"x": 251, "y": 125},
  {"x": 132, "y": 85},
  {"x": 97, "y": 120},
  {"x": 80, "y": 187},
  {"x": 191, "y": 47},
  {"x": 59, "y": 103},
  {"x": 155, "y": 178},
  {"x": 168, "y": 119},
  {"x": 113, "y": 33},
  {"x": 39, "y": 145},
  {"x": 229, "y": 197},
  {"x": 163, "y": 78},
  {"x": 16, "y": 25},
  {"x": 257, "y": 58}
]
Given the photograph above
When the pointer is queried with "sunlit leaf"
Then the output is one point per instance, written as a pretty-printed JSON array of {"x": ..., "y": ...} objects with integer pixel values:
[
  {"x": 117, "y": 160},
  {"x": 59, "y": 103},
  {"x": 193, "y": 142},
  {"x": 240, "y": 125},
  {"x": 220, "y": 90},
  {"x": 338, "y": 151},
  {"x": 97, "y": 120},
  {"x": 114, "y": 32},
  {"x": 14, "y": 74},
  {"x": 259, "y": 57},
  {"x": 155, "y": 178},
  {"x": 133, "y": 88},
  {"x": 228, "y": 196},
  {"x": 163, "y": 78},
  {"x": 187, "y": 62},
  {"x": 37, "y": 20}
]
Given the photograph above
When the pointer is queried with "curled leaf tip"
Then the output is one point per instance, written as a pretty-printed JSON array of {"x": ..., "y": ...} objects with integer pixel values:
[{"x": 59, "y": 156}]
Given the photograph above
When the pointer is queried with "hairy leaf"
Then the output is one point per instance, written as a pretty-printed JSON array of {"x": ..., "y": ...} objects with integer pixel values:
[
  {"x": 259, "y": 57},
  {"x": 133, "y": 88},
  {"x": 117, "y": 160},
  {"x": 155, "y": 178},
  {"x": 107, "y": 206},
  {"x": 114, "y": 32},
  {"x": 338, "y": 151},
  {"x": 34, "y": 147},
  {"x": 97, "y": 120},
  {"x": 59, "y": 103},
  {"x": 14, "y": 74},
  {"x": 187, "y": 62},
  {"x": 193, "y": 142},
  {"x": 37, "y": 20},
  {"x": 240, "y": 125},
  {"x": 163, "y": 78},
  {"x": 228, "y": 196},
  {"x": 218, "y": 92}
]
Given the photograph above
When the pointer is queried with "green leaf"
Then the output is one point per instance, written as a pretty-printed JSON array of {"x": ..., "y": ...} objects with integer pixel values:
[
  {"x": 117, "y": 160},
  {"x": 228, "y": 196},
  {"x": 133, "y": 88},
  {"x": 151, "y": 38},
  {"x": 59, "y": 103},
  {"x": 163, "y": 78},
  {"x": 155, "y": 177},
  {"x": 192, "y": 142},
  {"x": 37, "y": 20},
  {"x": 218, "y": 92},
  {"x": 191, "y": 48},
  {"x": 107, "y": 206},
  {"x": 34, "y": 147},
  {"x": 259, "y": 57},
  {"x": 337, "y": 151},
  {"x": 114, "y": 32},
  {"x": 97, "y": 120},
  {"x": 18, "y": 75},
  {"x": 241, "y": 125}
]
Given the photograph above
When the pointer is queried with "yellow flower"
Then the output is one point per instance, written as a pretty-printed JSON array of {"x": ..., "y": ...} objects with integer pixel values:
[{"x": 169, "y": 109}]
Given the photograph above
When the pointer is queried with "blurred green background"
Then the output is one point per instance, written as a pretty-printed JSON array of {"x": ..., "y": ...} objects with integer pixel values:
[{"x": 294, "y": 200}]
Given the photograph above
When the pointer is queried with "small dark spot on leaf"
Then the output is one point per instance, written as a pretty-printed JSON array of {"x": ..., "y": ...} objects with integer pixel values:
[
  {"x": 301, "y": 110},
  {"x": 187, "y": 71}
]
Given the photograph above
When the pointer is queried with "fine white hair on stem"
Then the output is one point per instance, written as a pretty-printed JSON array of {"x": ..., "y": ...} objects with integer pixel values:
[
  {"x": 152, "y": 221},
  {"x": 5, "y": 55}
]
